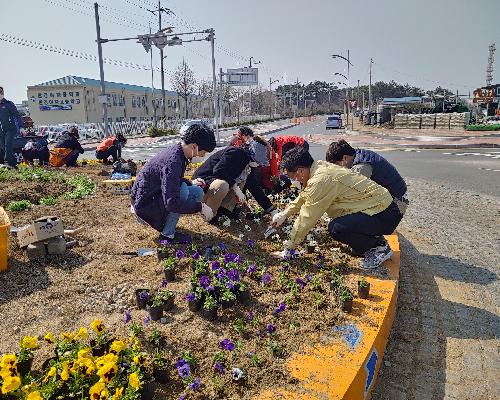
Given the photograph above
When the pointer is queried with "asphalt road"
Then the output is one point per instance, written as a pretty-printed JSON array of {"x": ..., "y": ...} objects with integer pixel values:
[{"x": 475, "y": 170}]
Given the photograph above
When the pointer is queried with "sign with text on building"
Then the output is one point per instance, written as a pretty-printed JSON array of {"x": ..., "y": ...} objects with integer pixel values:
[
  {"x": 56, "y": 107},
  {"x": 242, "y": 77},
  {"x": 484, "y": 95},
  {"x": 56, "y": 98}
]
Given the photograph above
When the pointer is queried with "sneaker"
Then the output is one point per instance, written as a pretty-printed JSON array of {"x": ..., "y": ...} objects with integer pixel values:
[
  {"x": 176, "y": 238},
  {"x": 381, "y": 247},
  {"x": 375, "y": 257}
]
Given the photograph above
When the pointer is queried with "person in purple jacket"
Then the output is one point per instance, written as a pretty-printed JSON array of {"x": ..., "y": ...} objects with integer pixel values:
[{"x": 161, "y": 193}]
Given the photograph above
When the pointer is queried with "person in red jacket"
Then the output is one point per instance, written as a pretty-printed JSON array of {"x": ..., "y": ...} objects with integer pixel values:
[
  {"x": 111, "y": 146},
  {"x": 279, "y": 145}
]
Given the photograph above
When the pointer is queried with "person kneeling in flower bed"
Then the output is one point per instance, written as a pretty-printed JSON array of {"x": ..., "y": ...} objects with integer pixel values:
[
  {"x": 361, "y": 210},
  {"x": 160, "y": 193}
]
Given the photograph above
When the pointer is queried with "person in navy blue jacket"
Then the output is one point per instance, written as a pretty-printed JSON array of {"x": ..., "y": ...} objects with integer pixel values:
[
  {"x": 373, "y": 166},
  {"x": 10, "y": 124}
]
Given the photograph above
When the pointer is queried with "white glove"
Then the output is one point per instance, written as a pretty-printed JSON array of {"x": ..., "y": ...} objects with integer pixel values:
[
  {"x": 278, "y": 219},
  {"x": 22, "y": 131},
  {"x": 239, "y": 194},
  {"x": 199, "y": 182},
  {"x": 207, "y": 212}
]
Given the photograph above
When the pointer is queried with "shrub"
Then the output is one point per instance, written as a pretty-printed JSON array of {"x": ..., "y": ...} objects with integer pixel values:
[
  {"x": 158, "y": 132},
  {"x": 20, "y": 205},
  {"x": 48, "y": 201},
  {"x": 483, "y": 127}
]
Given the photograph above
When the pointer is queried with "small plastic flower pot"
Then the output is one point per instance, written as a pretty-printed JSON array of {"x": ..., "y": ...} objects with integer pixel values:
[
  {"x": 23, "y": 367},
  {"x": 169, "y": 304},
  {"x": 169, "y": 275},
  {"x": 141, "y": 303},
  {"x": 195, "y": 305},
  {"x": 363, "y": 291},
  {"x": 225, "y": 304},
  {"x": 210, "y": 315},
  {"x": 160, "y": 374},
  {"x": 99, "y": 349},
  {"x": 334, "y": 287},
  {"x": 243, "y": 297},
  {"x": 346, "y": 305},
  {"x": 310, "y": 248},
  {"x": 155, "y": 313},
  {"x": 147, "y": 391}
]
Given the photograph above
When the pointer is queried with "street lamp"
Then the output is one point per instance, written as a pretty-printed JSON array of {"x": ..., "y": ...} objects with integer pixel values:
[
  {"x": 349, "y": 64},
  {"x": 342, "y": 75},
  {"x": 271, "y": 96}
]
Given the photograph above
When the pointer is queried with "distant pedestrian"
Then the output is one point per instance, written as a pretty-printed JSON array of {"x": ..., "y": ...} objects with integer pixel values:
[
  {"x": 111, "y": 147},
  {"x": 67, "y": 149},
  {"x": 11, "y": 123},
  {"x": 373, "y": 166}
]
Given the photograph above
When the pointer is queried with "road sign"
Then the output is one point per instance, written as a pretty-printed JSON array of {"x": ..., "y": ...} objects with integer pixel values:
[{"x": 242, "y": 77}]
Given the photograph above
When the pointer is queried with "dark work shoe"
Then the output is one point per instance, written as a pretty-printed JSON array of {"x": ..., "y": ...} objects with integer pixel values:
[
  {"x": 178, "y": 238},
  {"x": 376, "y": 256}
]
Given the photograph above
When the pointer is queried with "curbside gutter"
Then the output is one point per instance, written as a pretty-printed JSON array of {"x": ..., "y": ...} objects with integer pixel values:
[{"x": 344, "y": 363}]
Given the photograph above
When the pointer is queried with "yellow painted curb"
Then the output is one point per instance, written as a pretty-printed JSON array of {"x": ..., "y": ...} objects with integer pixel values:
[{"x": 347, "y": 366}]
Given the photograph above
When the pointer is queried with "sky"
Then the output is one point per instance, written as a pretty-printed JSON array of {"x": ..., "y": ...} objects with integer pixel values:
[{"x": 426, "y": 43}]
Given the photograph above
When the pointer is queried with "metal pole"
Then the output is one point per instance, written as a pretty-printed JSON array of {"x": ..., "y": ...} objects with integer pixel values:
[
  {"x": 357, "y": 104},
  {"x": 221, "y": 99},
  {"x": 347, "y": 90},
  {"x": 370, "y": 87},
  {"x": 297, "y": 110},
  {"x": 152, "y": 83},
  {"x": 270, "y": 99},
  {"x": 214, "y": 77},
  {"x": 162, "y": 66},
  {"x": 101, "y": 70}
]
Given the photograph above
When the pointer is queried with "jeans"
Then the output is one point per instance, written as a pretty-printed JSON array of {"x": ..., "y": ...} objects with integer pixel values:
[
  {"x": 186, "y": 193},
  {"x": 7, "y": 148},
  {"x": 362, "y": 231}
]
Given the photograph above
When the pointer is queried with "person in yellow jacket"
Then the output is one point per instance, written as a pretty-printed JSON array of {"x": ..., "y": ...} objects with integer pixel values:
[{"x": 361, "y": 211}]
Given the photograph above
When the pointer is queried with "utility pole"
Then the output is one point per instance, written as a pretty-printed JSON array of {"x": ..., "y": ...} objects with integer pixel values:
[
  {"x": 370, "y": 87},
  {"x": 297, "y": 104},
  {"x": 271, "y": 96},
  {"x": 214, "y": 78},
  {"x": 153, "y": 101},
  {"x": 357, "y": 101},
  {"x": 221, "y": 98},
  {"x": 103, "y": 96}
]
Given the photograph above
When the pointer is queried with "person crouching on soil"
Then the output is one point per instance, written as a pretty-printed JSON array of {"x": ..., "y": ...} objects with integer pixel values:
[
  {"x": 161, "y": 193},
  {"x": 224, "y": 175},
  {"x": 111, "y": 146},
  {"x": 361, "y": 210},
  {"x": 373, "y": 166},
  {"x": 67, "y": 149}
]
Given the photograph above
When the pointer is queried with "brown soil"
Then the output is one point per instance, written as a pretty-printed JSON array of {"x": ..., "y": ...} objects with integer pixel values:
[
  {"x": 95, "y": 280},
  {"x": 32, "y": 191}
]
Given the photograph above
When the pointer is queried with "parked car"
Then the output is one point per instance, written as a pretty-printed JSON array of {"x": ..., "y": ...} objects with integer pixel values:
[
  {"x": 187, "y": 124},
  {"x": 334, "y": 122}
]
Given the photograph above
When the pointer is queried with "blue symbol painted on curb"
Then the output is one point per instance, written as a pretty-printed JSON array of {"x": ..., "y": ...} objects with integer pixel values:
[
  {"x": 370, "y": 366},
  {"x": 351, "y": 334}
]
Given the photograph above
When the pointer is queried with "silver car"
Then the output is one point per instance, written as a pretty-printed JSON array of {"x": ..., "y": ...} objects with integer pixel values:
[{"x": 334, "y": 122}]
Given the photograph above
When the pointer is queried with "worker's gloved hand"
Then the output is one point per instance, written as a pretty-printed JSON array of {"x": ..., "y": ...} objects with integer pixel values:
[
  {"x": 207, "y": 212},
  {"x": 22, "y": 131},
  {"x": 278, "y": 219},
  {"x": 199, "y": 182},
  {"x": 288, "y": 252},
  {"x": 239, "y": 194}
]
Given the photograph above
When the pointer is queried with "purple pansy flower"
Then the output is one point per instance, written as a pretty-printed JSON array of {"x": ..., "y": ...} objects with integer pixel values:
[
  {"x": 164, "y": 283},
  {"x": 219, "y": 367},
  {"x": 204, "y": 281},
  {"x": 301, "y": 283},
  {"x": 190, "y": 297},
  {"x": 308, "y": 277},
  {"x": 182, "y": 397},
  {"x": 271, "y": 329},
  {"x": 144, "y": 296},
  {"x": 229, "y": 257},
  {"x": 195, "y": 385},
  {"x": 215, "y": 265},
  {"x": 266, "y": 278},
  {"x": 251, "y": 268},
  {"x": 250, "y": 243},
  {"x": 147, "y": 320},
  {"x": 180, "y": 254},
  {"x": 230, "y": 285},
  {"x": 250, "y": 316},
  {"x": 164, "y": 242},
  {"x": 281, "y": 308},
  {"x": 226, "y": 344},
  {"x": 196, "y": 256},
  {"x": 222, "y": 246},
  {"x": 210, "y": 288},
  {"x": 237, "y": 259},
  {"x": 127, "y": 316},
  {"x": 221, "y": 274},
  {"x": 260, "y": 335},
  {"x": 183, "y": 368},
  {"x": 233, "y": 275},
  {"x": 285, "y": 268}
]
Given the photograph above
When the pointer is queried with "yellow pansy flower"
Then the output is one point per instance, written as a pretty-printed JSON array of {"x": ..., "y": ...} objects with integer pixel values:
[
  {"x": 34, "y": 396},
  {"x": 8, "y": 360},
  {"x": 134, "y": 381},
  {"x": 49, "y": 338},
  {"x": 139, "y": 359},
  {"x": 8, "y": 371},
  {"x": 69, "y": 336},
  {"x": 118, "y": 394},
  {"x": 108, "y": 358},
  {"x": 83, "y": 333},
  {"x": 10, "y": 383},
  {"x": 97, "y": 326},
  {"x": 107, "y": 372},
  {"x": 84, "y": 353},
  {"x": 118, "y": 346},
  {"x": 99, "y": 391},
  {"x": 65, "y": 371},
  {"x": 52, "y": 372},
  {"x": 29, "y": 342}
]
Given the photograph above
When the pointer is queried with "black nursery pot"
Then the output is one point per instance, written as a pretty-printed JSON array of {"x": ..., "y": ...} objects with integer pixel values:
[
  {"x": 23, "y": 367},
  {"x": 155, "y": 313},
  {"x": 99, "y": 350},
  {"x": 243, "y": 297},
  {"x": 363, "y": 291},
  {"x": 141, "y": 303},
  {"x": 169, "y": 304},
  {"x": 195, "y": 306},
  {"x": 147, "y": 391},
  {"x": 310, "y": 249},
  {"x": 210, "y": 315},
  {"x": 346, "y": 305},
  {"x": 225, "y": 304},
  {"x": 169, "y": 275},
  {"x": 161, "y": 254},
  {"x": 160, "y": 374}
]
